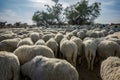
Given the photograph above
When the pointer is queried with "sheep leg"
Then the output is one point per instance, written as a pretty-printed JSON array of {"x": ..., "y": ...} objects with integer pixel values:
[
  {"x": 87, "y": 54},
  {"x": 75, "y": 58},
  {"x": 88, "y": 61},
  {"x": 92, "y": 62}
]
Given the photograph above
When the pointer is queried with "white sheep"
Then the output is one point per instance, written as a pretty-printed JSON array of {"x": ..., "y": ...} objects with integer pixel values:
[
  {"x": 81, "y": 34},
  {"x": 68, "y": 35},
  {"x": 26, "y": 52},
  {"x": 79, "y": 44},
  {"x": 42, "y": 68},
  {"x": 46, "y": 37},
  {"x": 111, "y": 36},
  {"x": 107, "y": 48},
  {"x": 52, "y": 44},
  {"x": 34, "y": 36},
  {"x": 92, "y": 33},
  {"x": 9, "y": 44},
  {"x": 74, "y": 32},
  {"x": 59, "y": 37},
  {"x": 7, "y": 36},
  {"x": 9, "y": 66},
  {"x": 90, "y": 48},
  {"x": 40, "y": 42},
  {"x": 115, "y": 40},
  {"x": 25, "y": 41},
  {"x": 100, "y": 34},
  {"x": 104, "y": 32},
  {"x": 110, "y": 69},
  {"x": 69, "y": 50}
]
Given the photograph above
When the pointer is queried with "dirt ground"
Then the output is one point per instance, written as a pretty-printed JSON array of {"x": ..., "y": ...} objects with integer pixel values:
[{"x": 85, "y": 74}]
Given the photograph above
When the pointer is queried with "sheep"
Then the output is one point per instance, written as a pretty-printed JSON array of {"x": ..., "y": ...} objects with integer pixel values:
[
  {"x": 68, "y": 36},
  {"x": 46, "y": 37},
  {"x": 111, "y": 36},
  {"x": 111, "y": 32},
  {"x": 79, "y": 44},
  {"x": 59, "y": 37},
  {"x": 104, "y": 32},
  {"x": 97, "y": 40},
  {"x": 25, "y": 41},
  {"x": 69, "y": 50},
  {"x": 81, "y": 34},
  {"x": 74, "y": 32},
  {"x": 114, "y": 39},
  {"x": 22, "y": 36},
  {"x": 40, "y": 35},
  {"x": 52, "y": 44},
  {"x": 34, "y": 36},
  {"x": 9, "y": 44},
  {"x": 90, "y": 48},
  {"x": 92, "y": 33},
  {"x": 7, "y": 36},
  {"x": 43, "y": 68},
  {"x": 27, "y": 52},
  {"x": 9, "y": 66},
  {"x": 107, "y": 48},
  {"x": 100, "y": 34},
  {"x": 40, "y": 42},
  {"x": 110, "y": 69}
]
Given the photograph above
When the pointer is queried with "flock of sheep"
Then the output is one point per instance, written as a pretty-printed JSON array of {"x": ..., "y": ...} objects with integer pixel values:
[{"x": 49, "y": 54}]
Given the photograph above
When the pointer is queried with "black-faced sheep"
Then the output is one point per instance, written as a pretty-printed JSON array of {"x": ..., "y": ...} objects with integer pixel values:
[
  {"x": 26, "y": 53},
  {"x": 9, "y": 66},
  {"x": 42, "y": 68},
  {"x": 110, "y": 69},
  {"x": 90, "y": 48}
]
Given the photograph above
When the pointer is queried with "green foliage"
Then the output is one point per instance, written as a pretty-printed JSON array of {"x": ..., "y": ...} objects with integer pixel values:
[
  {"x": 79, "y": 13},
  {"x": 51, "y": 16},
  {"x": 82, "y": 12}
]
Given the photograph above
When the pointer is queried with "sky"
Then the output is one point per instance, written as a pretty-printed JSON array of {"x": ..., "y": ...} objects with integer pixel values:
[{"x": 22, "y": 10}]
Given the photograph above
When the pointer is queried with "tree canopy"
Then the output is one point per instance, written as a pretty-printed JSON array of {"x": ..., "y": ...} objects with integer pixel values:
[
  {"x": 80, "y": 13},
  {"x": 52, "y": 15}
]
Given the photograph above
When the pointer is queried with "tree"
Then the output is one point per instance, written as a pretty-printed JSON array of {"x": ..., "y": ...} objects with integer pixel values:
[
  {"x": 51, "y": 16},
  {"x": 82, "y": 12},
  {"x": 40, "y": 18}
]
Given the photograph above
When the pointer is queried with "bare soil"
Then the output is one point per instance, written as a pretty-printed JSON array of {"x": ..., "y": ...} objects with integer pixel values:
[{"x": 85, "y": 74}]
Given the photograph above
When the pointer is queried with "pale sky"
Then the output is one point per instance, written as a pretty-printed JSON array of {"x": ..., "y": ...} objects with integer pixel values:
[{"x": 22, "y": 10}]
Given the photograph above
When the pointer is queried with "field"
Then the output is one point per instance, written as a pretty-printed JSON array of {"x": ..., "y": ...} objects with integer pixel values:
[{"x": 84, "y": 73}]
